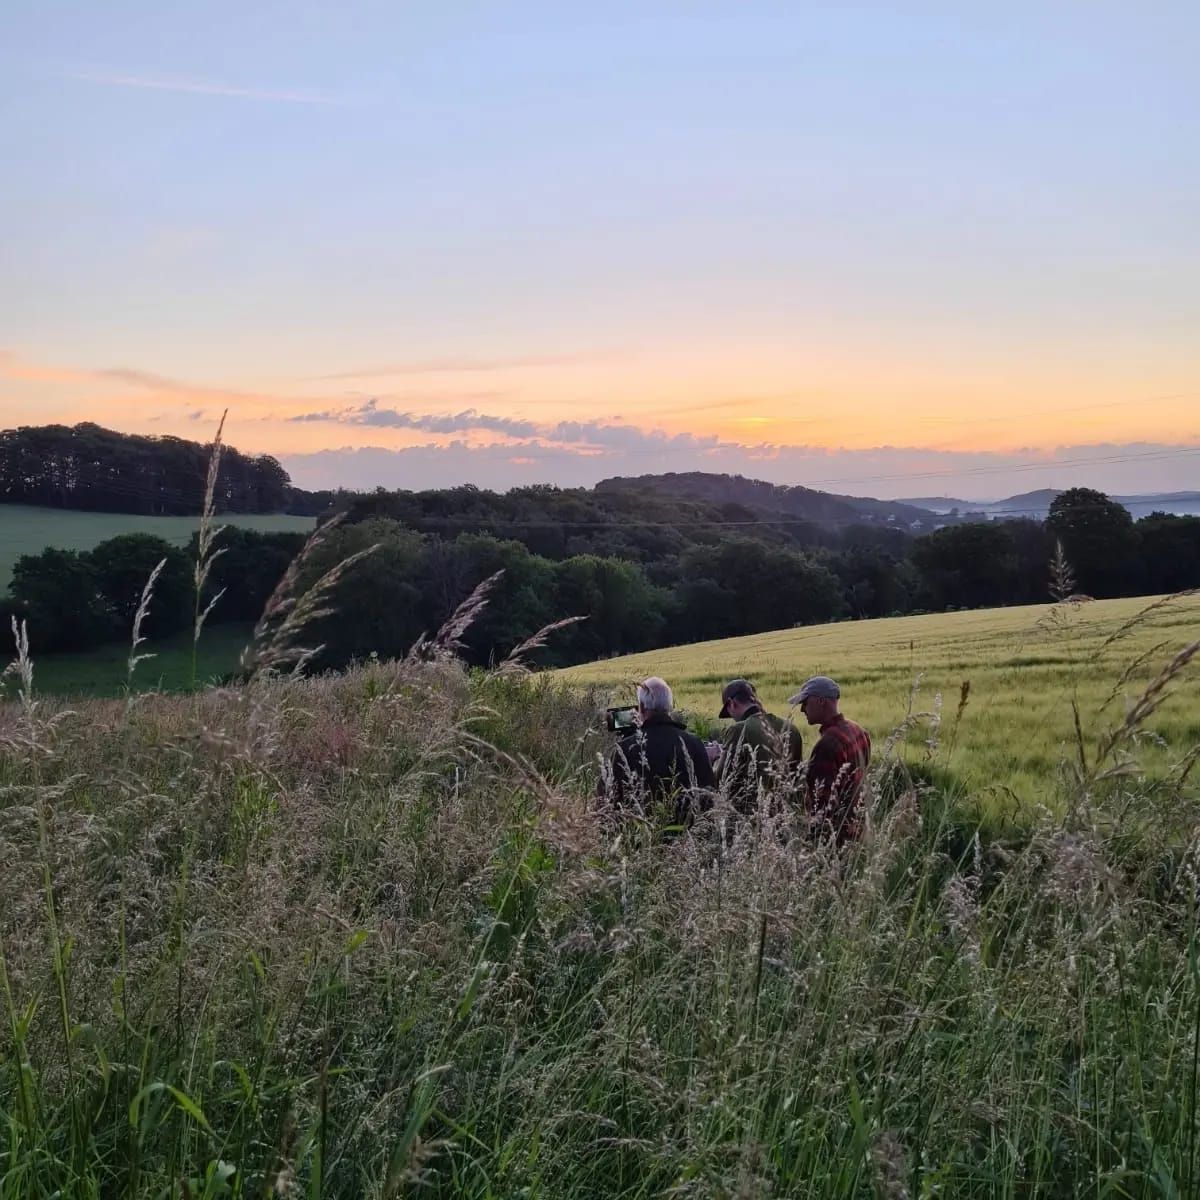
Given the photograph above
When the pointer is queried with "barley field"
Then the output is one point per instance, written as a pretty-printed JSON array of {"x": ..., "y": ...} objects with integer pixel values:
[
  {"x": 29, "y": 529},
  {"x": 369, "y": 936},
  {"x": 1026, "y": 668}
]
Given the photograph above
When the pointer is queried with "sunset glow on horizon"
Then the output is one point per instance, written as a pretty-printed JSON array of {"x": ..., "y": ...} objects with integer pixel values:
[{"x": 443, "y": 245}]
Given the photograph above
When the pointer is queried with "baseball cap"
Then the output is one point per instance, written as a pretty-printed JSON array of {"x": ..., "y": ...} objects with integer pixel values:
[
  {"x": 819, "y": 685},
  {"x": 737, "y": 689}
]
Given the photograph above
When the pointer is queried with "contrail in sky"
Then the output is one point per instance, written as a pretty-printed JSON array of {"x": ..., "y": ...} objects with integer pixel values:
[{"x": 203, "y": 87}]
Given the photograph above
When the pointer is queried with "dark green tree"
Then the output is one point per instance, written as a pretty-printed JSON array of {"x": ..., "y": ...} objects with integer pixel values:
[
  {"x": 625, "y": 610},
  {"x": 967, "y": 566},
  {"x": 743, "y": 586},
  {"x": 1170, "y": 551},
  {"x": 122, "y": 566},
  {"x": 1099, "y": 540},
  {"x": 61, "y": 597}
]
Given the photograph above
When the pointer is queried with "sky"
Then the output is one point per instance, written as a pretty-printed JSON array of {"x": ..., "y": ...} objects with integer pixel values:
[{"x": 893, "y": 250}]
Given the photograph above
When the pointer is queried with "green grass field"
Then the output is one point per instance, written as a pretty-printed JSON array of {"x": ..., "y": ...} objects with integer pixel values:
[
  {"x": 1024, "y": 667},
  {"x": 104, "y": 671},
  {"x": 25, "y": 529}
]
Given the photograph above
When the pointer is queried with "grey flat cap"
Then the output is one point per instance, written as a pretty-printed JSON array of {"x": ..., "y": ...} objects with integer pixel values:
[{"x": 819, "y": 685}]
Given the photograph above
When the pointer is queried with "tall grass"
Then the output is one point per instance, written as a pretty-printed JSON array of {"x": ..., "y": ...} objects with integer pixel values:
[
  {"x": 207, "y": 551},
  {"x": 363, "y": 936}
]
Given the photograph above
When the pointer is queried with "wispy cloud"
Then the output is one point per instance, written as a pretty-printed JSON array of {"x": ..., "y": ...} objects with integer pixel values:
[
  {"x": 434, "y": 366},
  {"x": 202, "y": 87},
  {"x": 615, "y": 436},
  {"x": 146, "y": 379},
  {"x": 372, "y": 415}
]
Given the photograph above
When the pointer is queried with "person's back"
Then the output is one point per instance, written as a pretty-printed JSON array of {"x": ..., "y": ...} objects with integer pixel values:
[
  {"x": 838, "y": 764},
  {"x": 758, "y": 748},
  {"x": 659, "y": 764}
]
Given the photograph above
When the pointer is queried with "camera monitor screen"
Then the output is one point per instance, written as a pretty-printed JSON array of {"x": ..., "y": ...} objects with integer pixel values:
[{"x": 619, "y": 719}]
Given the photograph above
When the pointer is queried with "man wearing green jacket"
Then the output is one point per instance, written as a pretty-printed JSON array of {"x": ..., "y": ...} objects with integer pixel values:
[{"x": 758, "y": 747}]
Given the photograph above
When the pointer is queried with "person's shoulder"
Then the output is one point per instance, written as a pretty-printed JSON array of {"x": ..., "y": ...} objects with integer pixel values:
[
  {"x": 830, "y": 738},
  {"x": 625, "y": 743}
]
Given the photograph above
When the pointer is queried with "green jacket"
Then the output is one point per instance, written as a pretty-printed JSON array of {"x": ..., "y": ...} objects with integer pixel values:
[{"x": 761, "y": 747}]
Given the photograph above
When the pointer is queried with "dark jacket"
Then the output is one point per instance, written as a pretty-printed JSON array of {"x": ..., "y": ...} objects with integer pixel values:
[
  {"x": 659, "y": 763},
  {"x": 759, "y": 748}
]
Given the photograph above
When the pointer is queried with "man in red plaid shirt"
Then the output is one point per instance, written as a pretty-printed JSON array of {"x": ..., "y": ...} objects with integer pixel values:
[{"x": 838, "y": 761}]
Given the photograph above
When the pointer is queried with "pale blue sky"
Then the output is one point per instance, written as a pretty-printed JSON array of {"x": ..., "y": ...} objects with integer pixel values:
[{"x": 945, "y": 209}]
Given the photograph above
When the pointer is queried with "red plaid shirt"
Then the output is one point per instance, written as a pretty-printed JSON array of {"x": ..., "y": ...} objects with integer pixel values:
[{"x": 835, "y": 775}]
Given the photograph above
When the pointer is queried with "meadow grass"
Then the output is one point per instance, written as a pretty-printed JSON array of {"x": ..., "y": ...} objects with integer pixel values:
[
  {"x": 103, "y": 671},
  {"x": 29, "y": 529},
  {"x": 364, "y": 936},
  {"x": 1026, "y": 667}
]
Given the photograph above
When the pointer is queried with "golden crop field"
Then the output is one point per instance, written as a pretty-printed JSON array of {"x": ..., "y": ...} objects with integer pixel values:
[{"x": 1024, "y": 666}]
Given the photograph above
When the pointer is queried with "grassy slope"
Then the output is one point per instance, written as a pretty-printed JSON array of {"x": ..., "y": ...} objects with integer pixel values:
[
  {"x": 25, "y": 529},
  {"x": 1024, "y": 670}
]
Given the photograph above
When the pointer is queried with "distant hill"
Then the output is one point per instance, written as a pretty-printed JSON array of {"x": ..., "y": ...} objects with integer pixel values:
[
  {"x": 761, "y": 498},
  {"x": 1037, "y": 504},
  {"x": 1182, "y": 504}
]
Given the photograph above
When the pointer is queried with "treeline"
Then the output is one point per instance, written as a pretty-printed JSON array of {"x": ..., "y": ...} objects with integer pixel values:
[
  {"x": 647, "y": 571},
  {"x": 720, "y": 583},
  {"x": 92, "y": 469},
  {"x": 75, "y": 600}
]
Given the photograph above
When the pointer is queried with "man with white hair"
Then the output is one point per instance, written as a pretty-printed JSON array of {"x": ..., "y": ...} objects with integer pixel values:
[{"x": 658, "y": 763}]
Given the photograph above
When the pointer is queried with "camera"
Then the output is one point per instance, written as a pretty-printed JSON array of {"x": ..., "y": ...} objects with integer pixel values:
[{"x": 618, "y": 720}]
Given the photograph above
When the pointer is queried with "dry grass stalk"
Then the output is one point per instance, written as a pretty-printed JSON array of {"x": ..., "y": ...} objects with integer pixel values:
[
  {"x": 515, "y": 663},
  {"x": 1130, "y": 670},
  {"x": 209, "y": 532},
  {"x": 1062, "y": 578},
  {"x": 1141, "y": 615},
  {"x": 22, "y": 665},
  {"x": 964, "y": 696},
  {"x": 286, "y": 593},
  {"x": 1145, "y": 705},
  {"x": 447, "y": 642},
  {"x": 139, "y": 617},
  {"x": 293, "y": 612},
  {"x": 887, "y": 1156}
]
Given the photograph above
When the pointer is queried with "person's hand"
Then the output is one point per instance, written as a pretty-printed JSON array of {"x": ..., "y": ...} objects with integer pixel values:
[{"x": 714, "y": 751}]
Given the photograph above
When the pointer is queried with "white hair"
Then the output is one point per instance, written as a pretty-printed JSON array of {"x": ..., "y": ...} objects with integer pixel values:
[{"x": 654, "y": 695}]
